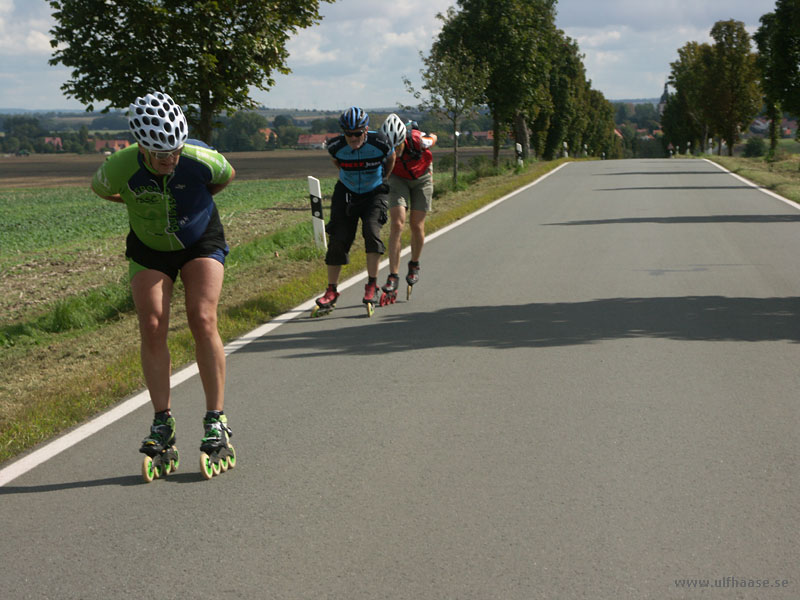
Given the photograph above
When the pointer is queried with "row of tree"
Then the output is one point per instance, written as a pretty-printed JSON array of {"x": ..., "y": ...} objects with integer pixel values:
[
  {"x": 720, "y": 87},
  {"x": 510, "y": 57},
  {"x": 506, "y": 55}
]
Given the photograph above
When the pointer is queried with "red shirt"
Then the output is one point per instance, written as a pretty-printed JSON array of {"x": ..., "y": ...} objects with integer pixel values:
[{"x": 409, "y": 167}]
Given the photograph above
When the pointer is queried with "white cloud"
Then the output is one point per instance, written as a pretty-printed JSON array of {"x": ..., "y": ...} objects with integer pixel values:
[
  {"x": 360, "y": 51},
  {"x": 597, "y": 39}
]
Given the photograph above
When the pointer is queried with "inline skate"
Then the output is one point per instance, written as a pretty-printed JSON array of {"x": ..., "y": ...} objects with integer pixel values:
[
  {"x": 371, "y": 297},
  {"x": 389, "y": 295},
  {"x": 217, "y": 455},
  {"x": 161, "y": 454},
  {"x": 413, "y": 276},
  {"x": 326, "y": 303}
]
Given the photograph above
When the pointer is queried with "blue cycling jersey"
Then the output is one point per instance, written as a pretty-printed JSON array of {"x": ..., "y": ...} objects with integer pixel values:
[{"x": 362, "y": 170}]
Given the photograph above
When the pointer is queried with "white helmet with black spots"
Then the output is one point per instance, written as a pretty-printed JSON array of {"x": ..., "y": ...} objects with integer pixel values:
[
  {"x": 157, "y": 123},
  {"x": 394, "y": 129}
]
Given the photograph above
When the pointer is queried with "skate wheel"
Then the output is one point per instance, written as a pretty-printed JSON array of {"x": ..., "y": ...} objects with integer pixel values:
[
  {"x": 215, "y": 466},
  {"x": 408, "y": 292},
  {"x": 370, "y": 309},
  {"x": 148, "y": 472},
  {"x": 315, "y": 312},
  {"x": 231, "y": 457},
  {"x": 175, "y": 462},
  {"x": 223, "y": 464},
  {"x": 206, "y": 466},
  {"x": 384, "y": 299}
]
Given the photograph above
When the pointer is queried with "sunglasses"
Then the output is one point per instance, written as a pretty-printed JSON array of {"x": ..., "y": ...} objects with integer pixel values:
[
  {"x": 357, "y": 133},
  {"x": 166, "y": 155}
]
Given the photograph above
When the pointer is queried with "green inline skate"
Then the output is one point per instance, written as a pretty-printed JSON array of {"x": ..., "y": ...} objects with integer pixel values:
[
  {"x": 217, "y": 454},
  {"x": 161, "y": 454}
]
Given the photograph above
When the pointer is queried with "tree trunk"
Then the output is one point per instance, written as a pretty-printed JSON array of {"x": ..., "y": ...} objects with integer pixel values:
[
  {"x": 496, "y": 142},
  {"x": 522, "y": 135},
  {"x": 774, "y": 119},
  {"x": 455, "y": 154}
]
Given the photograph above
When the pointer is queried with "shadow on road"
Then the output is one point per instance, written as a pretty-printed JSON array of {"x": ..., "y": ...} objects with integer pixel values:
[
  {"x": 669, "y": 173},
  {"x": 674, "y": 188},
  {"x": 758, "y": 219},
  {"x": 692, "y": 318},
  {"x": 126, "y": 481}
]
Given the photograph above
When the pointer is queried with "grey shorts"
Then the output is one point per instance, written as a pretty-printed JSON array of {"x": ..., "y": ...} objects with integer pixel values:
[{"x": 416, "y": 194}]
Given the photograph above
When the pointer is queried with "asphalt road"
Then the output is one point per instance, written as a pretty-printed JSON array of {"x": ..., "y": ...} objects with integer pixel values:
[{"x": 592, "y": 394}]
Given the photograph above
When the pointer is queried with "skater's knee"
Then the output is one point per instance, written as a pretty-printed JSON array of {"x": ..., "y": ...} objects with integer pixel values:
[
  {"x": 337, "y": 254},
  {"x": 202, "y": 320},
  {"x": 373, "y": 244},
  {"x": 153, "y": 328}
]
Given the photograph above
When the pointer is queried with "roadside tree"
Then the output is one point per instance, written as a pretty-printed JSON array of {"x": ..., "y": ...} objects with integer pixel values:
[
  {"x": 454, "y": 82},
  {"x": 771, "y": 69},
  {"x": 207, "y": 54},
  {"x": 513, "y": 39},
  {"x": 735, "y": 94},
  {"x": 778, "y": 41}
]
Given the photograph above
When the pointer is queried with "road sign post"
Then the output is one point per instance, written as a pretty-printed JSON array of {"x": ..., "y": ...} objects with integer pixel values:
[{"x": 315, "y": 195}]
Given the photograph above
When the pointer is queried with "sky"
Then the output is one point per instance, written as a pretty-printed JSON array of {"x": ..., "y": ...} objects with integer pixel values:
[{"x": 361, "y": 50}]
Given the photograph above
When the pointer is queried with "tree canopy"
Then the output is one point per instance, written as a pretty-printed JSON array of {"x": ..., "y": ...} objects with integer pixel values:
[
  {"x": 206, "y": 54},
  {"x": 717, "y": 88},
  {"x": 778, "y": 41},
  {"x": 454, "y": 81},
  {"x": 511, "y": 38}
]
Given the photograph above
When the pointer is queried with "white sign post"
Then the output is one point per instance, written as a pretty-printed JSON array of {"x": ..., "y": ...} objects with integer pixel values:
[{"x": 315, "y": 194}]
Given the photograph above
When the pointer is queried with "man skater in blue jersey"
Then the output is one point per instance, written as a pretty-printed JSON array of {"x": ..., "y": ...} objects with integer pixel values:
[{"x": 364, "y": 159}]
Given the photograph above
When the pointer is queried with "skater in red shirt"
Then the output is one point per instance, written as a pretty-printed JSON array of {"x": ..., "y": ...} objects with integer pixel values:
[{"x": 411, "y": 189}]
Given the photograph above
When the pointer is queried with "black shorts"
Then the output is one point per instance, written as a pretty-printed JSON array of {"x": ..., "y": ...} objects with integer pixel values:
[
  {"x": 346, "y": 211},
  {"x": 211, "y": 244}
]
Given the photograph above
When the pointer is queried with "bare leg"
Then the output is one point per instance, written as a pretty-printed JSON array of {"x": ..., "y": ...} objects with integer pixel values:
[
  {"x": 202, "y": 280},
  {"x": 417, "y": 233},
  {"x": 373, "y": 259},
  {"x": 333, "y": 273},
  {"x": 152, "y": 292},
  {"x": 398, "y": 218}
]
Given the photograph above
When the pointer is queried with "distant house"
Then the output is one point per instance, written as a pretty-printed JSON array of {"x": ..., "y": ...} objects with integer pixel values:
[
  {"x": 55, "y": 142},
  {"x": 760, "y": 125},
  {"x": 268, "y": 134},
  {"x": 112, "y": 145},
  {"x": 314, "y": 141},
  {"x": 483, "y": 136},
  {"x": 788, "y": 127},
  {"x": 618, "y": 133}
]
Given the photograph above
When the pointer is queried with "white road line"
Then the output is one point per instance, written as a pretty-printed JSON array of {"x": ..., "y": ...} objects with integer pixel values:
[{"x": 58, "y": 445}]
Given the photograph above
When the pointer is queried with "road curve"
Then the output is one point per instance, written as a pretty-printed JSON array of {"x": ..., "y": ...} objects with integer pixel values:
[{"x": 592, "y": 394}]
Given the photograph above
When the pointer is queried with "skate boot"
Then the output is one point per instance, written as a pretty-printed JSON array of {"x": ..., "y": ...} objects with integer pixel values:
[
  {"x": 412, "y": 277},
  {"x": 161, "y": 455},
  {"x": 326, "y": 303},
  {"x": 389, "y": 295},
  {"x": 217, "y": 455},
  {"x": 371, "y": 296}
]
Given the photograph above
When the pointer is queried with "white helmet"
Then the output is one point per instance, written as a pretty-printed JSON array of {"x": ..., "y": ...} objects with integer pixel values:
[
  {"x": 394, "y": 129},
  {"x": 157, "y": 122}
]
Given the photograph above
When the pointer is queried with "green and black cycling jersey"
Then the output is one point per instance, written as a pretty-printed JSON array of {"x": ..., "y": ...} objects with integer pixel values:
[{"x": 166, "y": 212}]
